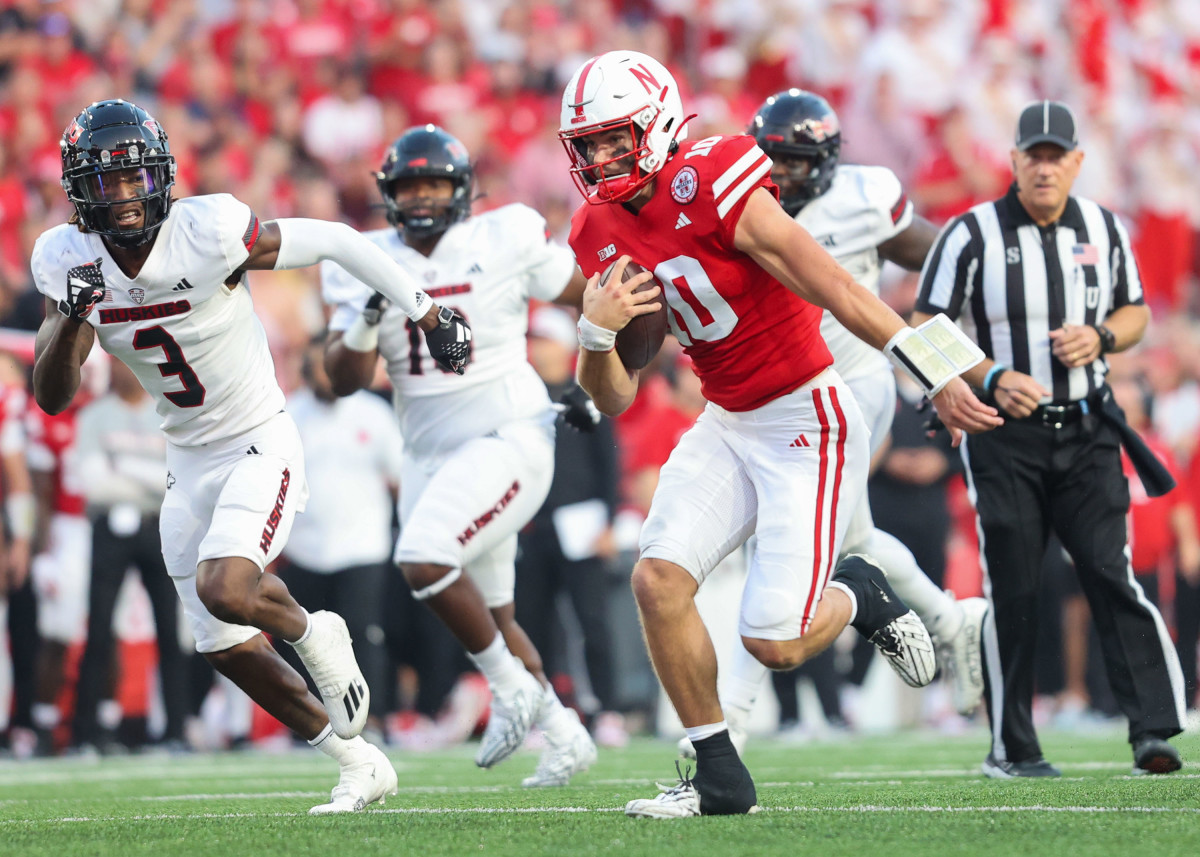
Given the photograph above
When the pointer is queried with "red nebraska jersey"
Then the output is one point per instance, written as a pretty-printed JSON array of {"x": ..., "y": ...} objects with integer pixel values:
[
  {"x": 751, "y": 340},
  {"x": 52, "y": 450}
]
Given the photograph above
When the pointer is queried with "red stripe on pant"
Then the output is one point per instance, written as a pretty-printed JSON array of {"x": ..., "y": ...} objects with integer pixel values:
[
  {"x": 819, "y": 517},
  {"x": 831, "y": 556}
]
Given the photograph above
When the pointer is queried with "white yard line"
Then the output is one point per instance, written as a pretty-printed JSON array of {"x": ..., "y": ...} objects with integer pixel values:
[{"x": 481, "y": 810}]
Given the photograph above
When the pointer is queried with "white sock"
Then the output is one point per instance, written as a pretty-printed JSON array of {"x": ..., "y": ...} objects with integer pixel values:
[
  {"x": 307, "y": 629},
  {"x": 841, "y": 587},
  {"x": 343, "y": 751},
  {"x": 45, "y": 715},
  {"x": 699, "y": 733},
  {"x": 109, "y": 714},
  {"x": 554, "y": 718},
  {"x": 499, "y": 666},
  {"x": 937, "y": 609},
  {"x": 740, "y": 686}
]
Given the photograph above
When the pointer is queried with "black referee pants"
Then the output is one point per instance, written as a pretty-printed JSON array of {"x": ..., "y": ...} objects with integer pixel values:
[
  {"x": 542, "y": 572},
  {"x": 112, "y": 556},
  {"x": 1028, "y": 478}
]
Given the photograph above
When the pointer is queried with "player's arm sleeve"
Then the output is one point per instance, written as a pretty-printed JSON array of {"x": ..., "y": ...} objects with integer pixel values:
[
  {"x": 547, "y": 265},
  {"x": 737, "y": 168},
  {"x": 345, "y": 294},
  {"x": 951, "y": 269},
  {"x": 305, "y": 242}
]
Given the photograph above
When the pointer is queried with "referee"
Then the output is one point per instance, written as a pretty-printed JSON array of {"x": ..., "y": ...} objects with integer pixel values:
[{"x": 1046, "y": 283}]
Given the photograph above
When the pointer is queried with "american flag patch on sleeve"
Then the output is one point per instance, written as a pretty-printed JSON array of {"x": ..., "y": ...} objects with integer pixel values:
[{"x": 1085, "y": 254}]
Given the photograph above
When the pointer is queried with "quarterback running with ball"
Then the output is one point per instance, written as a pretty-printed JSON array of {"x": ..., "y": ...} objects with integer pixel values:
[{"x": 744, "y": 285}]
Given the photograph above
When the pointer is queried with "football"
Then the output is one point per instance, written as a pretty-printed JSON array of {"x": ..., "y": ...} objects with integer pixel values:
[{"x": 640, "y": 340}]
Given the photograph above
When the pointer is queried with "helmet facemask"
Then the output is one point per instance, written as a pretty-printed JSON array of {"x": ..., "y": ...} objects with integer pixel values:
[
  {"x": 99, "y": 199},
  {"x": 115, "y": 157},
  {"x": 426, "y": 152},
  {"x": 589, "y": 177},
  {"x": 620, "y": 91},
  {"x": 425, "y": 217}
]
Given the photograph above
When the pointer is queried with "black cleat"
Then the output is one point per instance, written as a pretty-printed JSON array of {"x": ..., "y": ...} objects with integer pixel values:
[
  {"x": 1155, "y": 756},
  {"x": 886, "y": 621},
  {"x": 1006, "y": 770}
]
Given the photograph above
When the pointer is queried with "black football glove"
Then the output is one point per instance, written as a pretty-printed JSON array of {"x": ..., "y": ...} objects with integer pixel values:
[
  {"x": 375, "y": 308},
  {"x": 85, "y": 289},
  {"x": 450, "y": 341},
  {"x": 578, "y": 410}
]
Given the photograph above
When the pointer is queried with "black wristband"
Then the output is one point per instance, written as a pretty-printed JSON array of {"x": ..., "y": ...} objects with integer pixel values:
[{"x": 1108, "y": 339}]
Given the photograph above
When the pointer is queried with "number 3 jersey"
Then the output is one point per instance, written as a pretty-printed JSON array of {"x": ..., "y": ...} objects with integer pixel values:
[
  {"x": 750, "y": 338},
  {"x": 487, "y": 267},
  {"x": 193, "y": 341}
]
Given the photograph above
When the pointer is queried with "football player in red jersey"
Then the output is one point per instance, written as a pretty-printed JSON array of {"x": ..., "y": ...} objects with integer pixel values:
[{"x": 781, "y": 451}]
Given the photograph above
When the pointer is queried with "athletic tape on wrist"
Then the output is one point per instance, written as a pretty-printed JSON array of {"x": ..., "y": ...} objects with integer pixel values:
[
  {"x": 361, "y": 335},
  {"x": 593, "y": 337},
  {"x": 933, "y": 353}
]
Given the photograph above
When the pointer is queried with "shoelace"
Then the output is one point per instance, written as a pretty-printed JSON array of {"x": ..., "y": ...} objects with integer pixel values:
[
  {"x": 887, "y": 640},
  {"x": 682, "y": 789}
]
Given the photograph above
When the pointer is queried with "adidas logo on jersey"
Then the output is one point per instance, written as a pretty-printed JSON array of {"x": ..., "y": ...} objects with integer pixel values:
[
  {"x": 475, "y": 269},
  {"x": 182, "y": 286},
  {"x": 682, "y": 221},
  {"x": 801, "y": 442}
]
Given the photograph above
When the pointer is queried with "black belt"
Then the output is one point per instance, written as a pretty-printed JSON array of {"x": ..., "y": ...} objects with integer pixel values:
[{"x": 1057, "y": 416}]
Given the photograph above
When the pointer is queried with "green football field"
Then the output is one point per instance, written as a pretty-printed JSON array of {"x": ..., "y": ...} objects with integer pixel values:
[{"x": 917, "y": 794}]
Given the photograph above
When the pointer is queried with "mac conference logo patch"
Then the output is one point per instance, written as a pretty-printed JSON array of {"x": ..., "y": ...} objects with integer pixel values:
[
  {"x": 137, "y": 294},
  {"x": 684, "y": 185}
]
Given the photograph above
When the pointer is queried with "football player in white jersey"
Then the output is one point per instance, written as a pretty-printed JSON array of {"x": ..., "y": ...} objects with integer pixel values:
[
  {"x": 161, "y": 283},
  {"x": 861, "y": 215},
  {"x": 479, "y": 452}
]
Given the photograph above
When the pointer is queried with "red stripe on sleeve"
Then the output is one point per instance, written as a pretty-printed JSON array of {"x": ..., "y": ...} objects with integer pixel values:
[
  {"x": 898, "y": 208},
  {"x": 250, "y": 236}
]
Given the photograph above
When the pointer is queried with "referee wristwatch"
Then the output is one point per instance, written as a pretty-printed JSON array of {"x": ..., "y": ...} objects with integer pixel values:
[{"x": 1108, "y": 339}]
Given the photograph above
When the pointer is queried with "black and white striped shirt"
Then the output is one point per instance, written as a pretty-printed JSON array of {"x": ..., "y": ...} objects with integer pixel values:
[{"x": 1008, "y": 283}]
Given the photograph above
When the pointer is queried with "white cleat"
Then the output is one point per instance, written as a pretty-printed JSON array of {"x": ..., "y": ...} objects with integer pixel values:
[
  {"x": 678, "y": 801},
  {"x": 329, "y": 659},
  {"x": 737, "y": 735},
  {"x": 509, "y": 722},
  {"x": 562, "y": 760},
  {"x": 963, "y": 657},
  {"x": 361, "y": 785},
  {"x": 906, "y": 645}
]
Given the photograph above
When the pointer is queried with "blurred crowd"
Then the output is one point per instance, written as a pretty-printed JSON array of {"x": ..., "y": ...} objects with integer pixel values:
[{"x": 289, "y": 104}]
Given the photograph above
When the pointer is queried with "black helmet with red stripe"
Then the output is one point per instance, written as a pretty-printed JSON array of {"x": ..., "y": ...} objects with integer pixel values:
[
  {"x": 427, "y": 151},
  {"x": 114, "y": 153},
  {"x": 800, "y": 132}
]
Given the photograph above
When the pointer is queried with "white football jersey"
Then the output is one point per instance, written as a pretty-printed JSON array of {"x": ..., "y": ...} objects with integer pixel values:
[
  {"x": 194, "y": 342},
  {"x": 864, "y": 207},
  {"x": 487, "y": 267}
]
